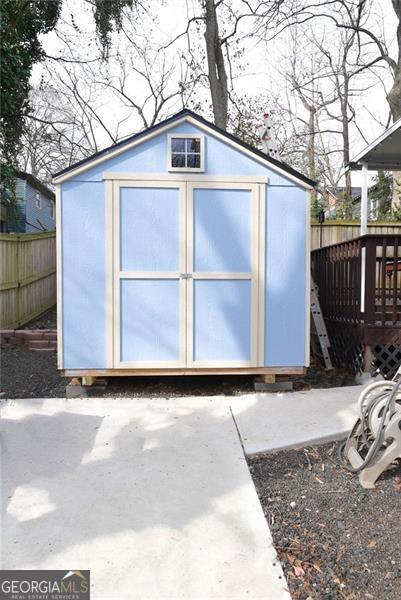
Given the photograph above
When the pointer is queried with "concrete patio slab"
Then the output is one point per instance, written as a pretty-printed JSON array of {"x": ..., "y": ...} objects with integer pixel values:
[
  {"x": 269, "y": 422},
  {"x": 153, "y": 496}
]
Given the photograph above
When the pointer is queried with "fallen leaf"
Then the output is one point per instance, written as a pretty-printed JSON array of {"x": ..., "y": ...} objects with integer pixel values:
[
  {"x": 299, "y": 572},
  {"x": 372, "y": 544}
]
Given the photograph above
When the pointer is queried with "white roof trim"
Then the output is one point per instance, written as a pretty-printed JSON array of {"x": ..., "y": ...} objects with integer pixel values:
[
  {"x": 185, "y": 118},
  {"x": 387, "y": 133}
]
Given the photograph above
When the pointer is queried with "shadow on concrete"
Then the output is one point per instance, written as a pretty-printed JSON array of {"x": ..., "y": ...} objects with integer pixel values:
[{"x": 102, "y": 473}]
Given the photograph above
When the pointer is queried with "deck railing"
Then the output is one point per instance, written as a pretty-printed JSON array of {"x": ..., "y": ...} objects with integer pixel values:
[{"x": 350, "y": 294}]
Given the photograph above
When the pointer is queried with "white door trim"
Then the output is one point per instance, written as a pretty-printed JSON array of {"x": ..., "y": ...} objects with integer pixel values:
[
  {"x": 109, "y": 273},
  {"x": 114, "y": 275},
  {"x": 151, "y": 177},
  {"x": 59, "y": 277},
  {"x": 252, "y": 276},
  {"x": 118, "y": 275},
  {"x": 261, "y": 274}
]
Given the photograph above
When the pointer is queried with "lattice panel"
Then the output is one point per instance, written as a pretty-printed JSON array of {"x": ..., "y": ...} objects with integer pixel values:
[
  {"x": 346, "y": 353},
  {"x": 387, "y": 359}
]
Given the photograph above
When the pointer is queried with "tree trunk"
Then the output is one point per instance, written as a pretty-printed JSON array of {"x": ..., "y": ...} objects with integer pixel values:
[
  {"x": 394, "y": 95},
  {"x": 216, "y": 66},
  {"x": 347, "y": 175},
  {"x": 311, "y": 149},
  {"x": 311, "y": 157},
  {"x": 394, "y": 100},
  {"x": 345, "y": 130}
]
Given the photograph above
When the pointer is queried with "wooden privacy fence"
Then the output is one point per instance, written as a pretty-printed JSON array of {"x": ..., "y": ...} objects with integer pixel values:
[
  {"x": 27, "y": 276},
  {"x": 334, "y": 232}
]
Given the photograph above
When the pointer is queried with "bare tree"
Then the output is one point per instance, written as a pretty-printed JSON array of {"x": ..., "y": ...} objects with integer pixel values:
[
  {"x": 274, "y": 17},
  {"x": 303, "y": 76},
  {"x": 54, "y": 134},
  {"x": 221, "y": 32},
  {"x": 84, "y": 105},
  {"x": 216, "y": 65}
]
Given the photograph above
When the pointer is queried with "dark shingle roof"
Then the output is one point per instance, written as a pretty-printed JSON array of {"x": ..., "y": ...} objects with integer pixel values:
[{"x": 190, "y": 113}]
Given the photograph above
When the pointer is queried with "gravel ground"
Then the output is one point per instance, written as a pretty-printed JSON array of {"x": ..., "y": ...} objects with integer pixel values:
[
  {"x": 46, "y": 321},
  {"x": 334, "y": 539},
  {"x": 27, "y": 374}
]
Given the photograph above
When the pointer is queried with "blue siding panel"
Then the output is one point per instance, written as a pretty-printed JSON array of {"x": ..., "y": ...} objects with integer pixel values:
[
  {"x": 151, "y": 157},
  {"x": 83, "y": 256},
  {"x": 149, "y": 319},
  {"x": 285, "y": 277},
  {"x": 222, "y": 324},
  {"x": 222, "y": 230},
  {"x": 149, "y": 229}
]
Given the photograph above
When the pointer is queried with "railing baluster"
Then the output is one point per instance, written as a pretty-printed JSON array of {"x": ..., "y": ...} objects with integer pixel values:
[
  {"x": 396, "y": 275},
  {"x": 370, "y": 281},
  {"x": 383, "y": 281}
]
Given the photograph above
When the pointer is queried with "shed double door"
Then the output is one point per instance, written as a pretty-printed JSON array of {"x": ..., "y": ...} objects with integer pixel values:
[{"x": 185, "y": 274}]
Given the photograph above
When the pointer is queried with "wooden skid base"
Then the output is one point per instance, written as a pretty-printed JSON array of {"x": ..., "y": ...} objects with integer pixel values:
[{"x": 142, "y": 372}]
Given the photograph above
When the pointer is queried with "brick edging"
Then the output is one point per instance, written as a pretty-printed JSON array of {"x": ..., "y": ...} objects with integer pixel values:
[{"x": 37, "y": 340}]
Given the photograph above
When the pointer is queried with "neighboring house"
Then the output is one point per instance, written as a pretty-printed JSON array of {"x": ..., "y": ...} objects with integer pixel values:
[
  {"x": 373, "y": 207},
  {"x": 335, "y": 201},
  {"x": 35, "y": 208}
]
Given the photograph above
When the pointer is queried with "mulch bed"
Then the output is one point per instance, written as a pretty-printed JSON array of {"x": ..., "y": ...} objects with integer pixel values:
[{"x": 334, "y": 539}]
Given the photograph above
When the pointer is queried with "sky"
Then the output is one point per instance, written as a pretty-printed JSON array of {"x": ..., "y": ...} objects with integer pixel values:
[{"x": 261, "y": 63}]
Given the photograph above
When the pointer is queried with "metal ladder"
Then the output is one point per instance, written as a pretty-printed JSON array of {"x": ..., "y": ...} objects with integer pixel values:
[{"x": 319, "y": 325}]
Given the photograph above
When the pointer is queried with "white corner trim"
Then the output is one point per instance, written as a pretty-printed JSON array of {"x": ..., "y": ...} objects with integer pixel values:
[
  {"x": 308, "y": 279},
  {"x": 59, "y": 285},
  {"x": 145, "y": 137}
]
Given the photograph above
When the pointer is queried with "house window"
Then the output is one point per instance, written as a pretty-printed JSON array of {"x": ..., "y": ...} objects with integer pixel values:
[
  {"x": 38, "y": 200},
  {"x": 52, "y": 209},
  {"x": 186, "y": 152}
]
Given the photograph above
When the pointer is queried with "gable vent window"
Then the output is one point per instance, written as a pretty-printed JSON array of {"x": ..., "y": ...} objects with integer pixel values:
[
  {"x": 186, "y": 153},
  {"x": 38, "y": 200}
]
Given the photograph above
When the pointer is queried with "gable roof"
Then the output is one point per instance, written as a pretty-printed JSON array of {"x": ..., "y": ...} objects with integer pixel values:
[
  {"x": 184, "y": 114},
  {"x": 384, "y": 153}
]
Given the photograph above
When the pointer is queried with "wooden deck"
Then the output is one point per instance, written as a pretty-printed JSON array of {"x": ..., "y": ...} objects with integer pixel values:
[{"x": 363, "y": 306}]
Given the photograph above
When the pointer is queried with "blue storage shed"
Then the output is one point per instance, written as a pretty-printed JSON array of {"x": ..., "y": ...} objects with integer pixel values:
[{"x": 182, "y": 250}]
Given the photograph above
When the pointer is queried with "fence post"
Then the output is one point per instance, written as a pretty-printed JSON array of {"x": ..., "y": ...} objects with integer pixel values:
[{"x": 18, "y": 271}]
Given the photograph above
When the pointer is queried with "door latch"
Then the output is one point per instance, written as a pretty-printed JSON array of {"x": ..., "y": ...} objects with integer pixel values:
[{"x": 186, "y": 275}]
